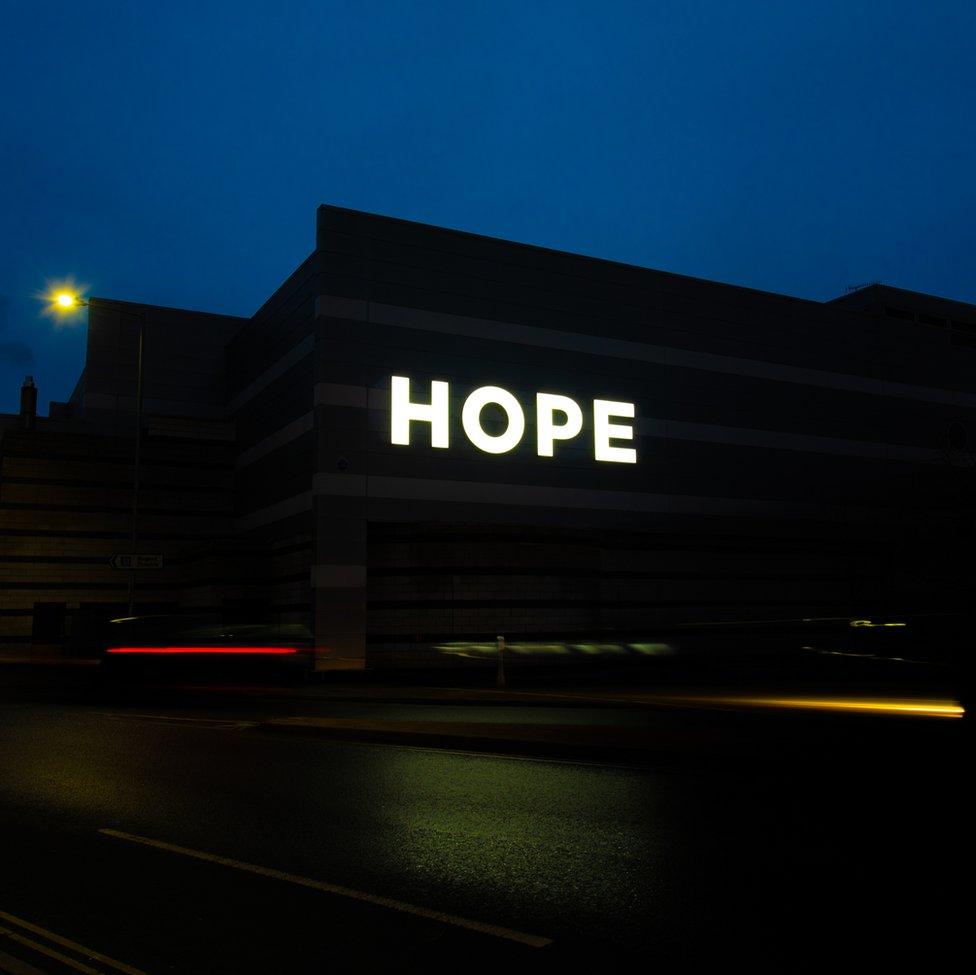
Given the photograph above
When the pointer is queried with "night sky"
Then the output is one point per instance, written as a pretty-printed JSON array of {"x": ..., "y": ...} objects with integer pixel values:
[{"x": 174, "y": 153}]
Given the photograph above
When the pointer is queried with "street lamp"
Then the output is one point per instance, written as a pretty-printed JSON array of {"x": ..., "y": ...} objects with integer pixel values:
[{"x": 66, "y": 301}]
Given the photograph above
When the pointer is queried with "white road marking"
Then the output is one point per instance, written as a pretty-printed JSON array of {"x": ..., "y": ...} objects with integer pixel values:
[
  {"x": 88, "y": 953},
  {"x": 16, "y": 966},
  {"x": 532, "y": 940},
  {"x": 178, "y": 719}
]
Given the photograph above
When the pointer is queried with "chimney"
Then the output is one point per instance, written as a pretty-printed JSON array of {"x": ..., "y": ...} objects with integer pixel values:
[{"x": 28, "y": 403}]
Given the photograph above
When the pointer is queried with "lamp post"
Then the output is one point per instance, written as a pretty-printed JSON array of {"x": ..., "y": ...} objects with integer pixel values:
[{"x": 66, "y": 301}]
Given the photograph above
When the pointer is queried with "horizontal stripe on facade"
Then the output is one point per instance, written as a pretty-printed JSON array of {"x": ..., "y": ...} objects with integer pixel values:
[
  {"x": 565, "y": 572},
  {"x": 145, "y": 584},
  {"x": 292, "y": 357},
  {"x": 170, "y": 562},
  {"x": 298, "y": 504},
  {"x": 286, "y": 434},
  {"x": 174, "y": 609},
  {"x": 55, "y": 559},
  {"x": 381, "y": 534},
  {"x": 576, "y": 603},
  {"x": 125, "y": 509},
  {"x": 49, "y": 533},
  {"x": 115, "y": 485},
  {"x": 599, "y": 345},
  {"x": 288, "y": 397},
  {"x": 530, "y": 495},
  {"x": 262, "y": 552},
  {"x": 181, "y": 559},
  {"x": 125, "y": 460},
  {"x": 210, "y": 413},
  {"x": 122, "y": 584}
]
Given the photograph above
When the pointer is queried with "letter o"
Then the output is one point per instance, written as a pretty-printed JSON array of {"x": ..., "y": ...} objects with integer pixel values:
[{"x": 471, "y": 420}]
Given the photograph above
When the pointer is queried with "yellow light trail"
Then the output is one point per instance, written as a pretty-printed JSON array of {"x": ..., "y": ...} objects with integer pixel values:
[{"x": 929, "y": 709}]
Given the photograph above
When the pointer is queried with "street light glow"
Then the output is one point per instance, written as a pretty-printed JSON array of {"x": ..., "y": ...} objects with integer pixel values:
[{"x": 63, "y": 298}]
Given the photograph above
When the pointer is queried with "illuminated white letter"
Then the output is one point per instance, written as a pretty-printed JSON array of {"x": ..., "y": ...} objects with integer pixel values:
[
  {"x": 548, "y": 432},
  {"x": 402, "y": 411},
  {"x": 604, "y": 430},
  {"x": 471, "y": 420}
]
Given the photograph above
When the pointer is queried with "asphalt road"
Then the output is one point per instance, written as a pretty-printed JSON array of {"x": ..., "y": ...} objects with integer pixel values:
[{"x": 858, "y": 856}]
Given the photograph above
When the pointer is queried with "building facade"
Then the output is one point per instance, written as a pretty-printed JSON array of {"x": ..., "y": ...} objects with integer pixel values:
[{"x": 425, "y": 438}]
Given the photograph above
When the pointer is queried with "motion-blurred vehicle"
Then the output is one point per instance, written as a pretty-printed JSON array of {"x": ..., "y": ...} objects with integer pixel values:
[{"x": 198, "y": 646}]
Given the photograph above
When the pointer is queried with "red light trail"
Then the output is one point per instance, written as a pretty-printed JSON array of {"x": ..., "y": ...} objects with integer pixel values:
[{"x": 264, "y": 651}]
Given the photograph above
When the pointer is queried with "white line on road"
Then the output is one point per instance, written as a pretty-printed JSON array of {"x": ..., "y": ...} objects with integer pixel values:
[
  {"x": 178, "y": 720},
  {"x": 15, "y": 966},
  {"x": 88, "y": 953},
  {"x": 532, "y": 940},
  {"x": 49, "y": 952}
]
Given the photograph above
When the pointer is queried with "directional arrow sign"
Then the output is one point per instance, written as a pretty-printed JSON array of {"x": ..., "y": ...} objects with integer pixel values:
[{"x": 136, "y": 561}]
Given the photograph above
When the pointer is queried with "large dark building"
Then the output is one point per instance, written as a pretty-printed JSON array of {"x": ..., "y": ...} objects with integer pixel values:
[{"x": 425, "y": 438}]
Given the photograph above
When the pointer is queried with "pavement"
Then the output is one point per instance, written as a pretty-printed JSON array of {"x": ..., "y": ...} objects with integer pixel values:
[
  {"x": 627, "y": 716},
  {"x": 706, "y": 732}
]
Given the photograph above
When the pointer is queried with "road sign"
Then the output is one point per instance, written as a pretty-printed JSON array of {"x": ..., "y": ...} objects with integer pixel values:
[{"x": 136, "y": 561}]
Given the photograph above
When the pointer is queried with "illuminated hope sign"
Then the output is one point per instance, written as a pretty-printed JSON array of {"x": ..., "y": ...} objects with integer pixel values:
[{"x": 557, "y": 418}]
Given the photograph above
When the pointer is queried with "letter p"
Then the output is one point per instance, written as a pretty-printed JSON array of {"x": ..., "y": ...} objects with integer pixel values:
[{"x": 548, "y": 431}]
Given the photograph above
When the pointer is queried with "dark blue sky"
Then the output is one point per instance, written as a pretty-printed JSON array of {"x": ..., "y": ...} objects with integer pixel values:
[{"x": 174, "y": 153}]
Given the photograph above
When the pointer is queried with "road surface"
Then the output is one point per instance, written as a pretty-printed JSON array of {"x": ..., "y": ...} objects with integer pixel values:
[{"x": 186, "y": 839}]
